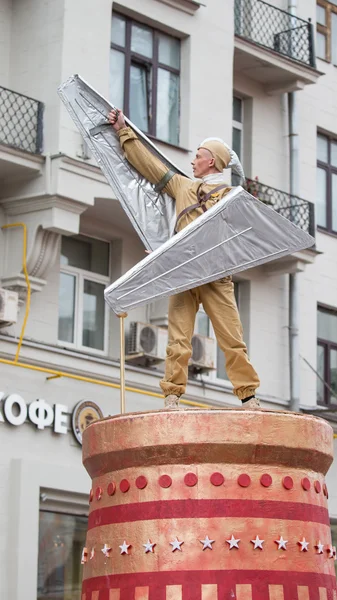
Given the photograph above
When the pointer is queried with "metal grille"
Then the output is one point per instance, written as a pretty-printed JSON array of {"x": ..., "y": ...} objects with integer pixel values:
[
  {"x": 20, "y": 121},
  {"x": 298, "y": 211},
  {"x": 276, "y": 29}
]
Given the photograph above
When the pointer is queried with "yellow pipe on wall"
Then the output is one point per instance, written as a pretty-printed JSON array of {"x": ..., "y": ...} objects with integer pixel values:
[
  {"x": 116, "y": 386},
  {"x": 24, "y": 268}
]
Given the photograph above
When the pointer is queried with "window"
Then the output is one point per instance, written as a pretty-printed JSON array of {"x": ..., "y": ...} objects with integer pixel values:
[
  {"x": 145, "y": 77},
  {"x": 326, "y": 40},
  {"x": 84, "y": 275},
  {"x": 203, "y": 326},
  {"x": 327, "y": 356},
  {"x": 326, "y": 203},
  {"x": 61, "y": 540},
  {"x": 237, "y": 133}
]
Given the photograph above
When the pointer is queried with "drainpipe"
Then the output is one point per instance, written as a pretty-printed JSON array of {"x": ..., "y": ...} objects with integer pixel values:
[{"x": 294, "y": 349}]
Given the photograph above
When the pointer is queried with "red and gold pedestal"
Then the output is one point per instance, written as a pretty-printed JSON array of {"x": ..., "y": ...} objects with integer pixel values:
[{"x": 208, "y": 505}]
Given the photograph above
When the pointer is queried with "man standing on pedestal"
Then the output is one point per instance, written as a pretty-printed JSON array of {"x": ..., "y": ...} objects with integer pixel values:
[{"x": 192, "y": 199}]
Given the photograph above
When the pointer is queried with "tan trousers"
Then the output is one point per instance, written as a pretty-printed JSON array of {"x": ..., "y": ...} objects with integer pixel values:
[{"x": 219, "y": 304}]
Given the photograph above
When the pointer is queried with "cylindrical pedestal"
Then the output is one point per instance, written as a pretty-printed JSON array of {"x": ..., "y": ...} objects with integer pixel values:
[{"x": 208, "y": 505}]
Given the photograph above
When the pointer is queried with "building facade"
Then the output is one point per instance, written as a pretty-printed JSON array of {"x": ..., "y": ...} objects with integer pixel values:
[{"x": 258, "y": 75}]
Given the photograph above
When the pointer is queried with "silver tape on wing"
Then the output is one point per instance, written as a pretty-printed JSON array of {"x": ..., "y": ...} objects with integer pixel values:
[
  {"x": 238, "y": 233},
  {"x": 152, "y": 214}
]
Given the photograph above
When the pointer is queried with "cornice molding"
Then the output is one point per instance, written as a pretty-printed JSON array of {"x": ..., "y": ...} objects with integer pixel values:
[
  {"x": 17, "y": 283},
  {"x": 23, "y": 205},
  {"x": 44, "y": 253},
  {"x": 188, "y": 6}
]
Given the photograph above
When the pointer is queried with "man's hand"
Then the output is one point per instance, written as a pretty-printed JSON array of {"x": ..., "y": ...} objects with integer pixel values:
[{"x": 116, "y": 118}]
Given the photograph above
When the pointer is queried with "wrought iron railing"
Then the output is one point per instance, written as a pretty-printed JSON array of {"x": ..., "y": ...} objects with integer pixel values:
[
  {"x": 298, "y": 211},
  {"x": 20, "y": 121},
  {"x": 275, "y": 29}
]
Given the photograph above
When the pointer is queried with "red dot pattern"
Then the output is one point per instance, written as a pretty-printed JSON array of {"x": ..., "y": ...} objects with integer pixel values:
[
  {"x": 244, "y": 480},
  {"x": 217, "y": 479},
  {"x": 317, "y": 486},
  {"x": 124, "y": 486},
  {"x": 165, "y": 481},
  {"x": 190, "y": 479},
  {"x": 288, "y": 483},
  {"x": 141, "y": 482},
  {"x": 111, "y": 488},
  {"x": 266, "y": 480},
  {"x": 306, "y": 484}
]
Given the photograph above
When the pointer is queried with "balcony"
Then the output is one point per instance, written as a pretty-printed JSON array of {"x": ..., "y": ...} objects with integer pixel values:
[
  {"x": 273, "y": 47},
  {"x": 298, "y": 211},
  {"x": 21, "y": 122}
]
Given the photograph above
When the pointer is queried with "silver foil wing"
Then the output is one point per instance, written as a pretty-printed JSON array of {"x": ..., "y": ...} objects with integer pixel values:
[
  {"x": 238, "y": 233},
  {"x": 151, "y": 214}
]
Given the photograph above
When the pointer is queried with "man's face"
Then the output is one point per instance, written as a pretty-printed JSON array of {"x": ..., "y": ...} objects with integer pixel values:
[{"x": 203, "y": 163}]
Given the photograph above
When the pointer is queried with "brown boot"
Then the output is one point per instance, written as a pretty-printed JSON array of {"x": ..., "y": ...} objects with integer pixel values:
[
  {"x": 171, "y": 402},
  {"x": 252, "y": 403}
]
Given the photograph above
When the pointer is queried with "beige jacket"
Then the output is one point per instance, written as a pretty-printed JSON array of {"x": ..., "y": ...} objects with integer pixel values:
[{"x": 181, "y": 188}]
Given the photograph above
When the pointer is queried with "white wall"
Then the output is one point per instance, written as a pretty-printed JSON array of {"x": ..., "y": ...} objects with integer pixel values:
[
  {"x": 35, "y": 65},
  {"x": 5, "y": 36}
]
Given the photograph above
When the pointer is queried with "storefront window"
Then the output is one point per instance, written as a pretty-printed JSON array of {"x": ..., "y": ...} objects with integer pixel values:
[
  {"x": 334, "y": 538},
  {"x": 61, "y": 540}
]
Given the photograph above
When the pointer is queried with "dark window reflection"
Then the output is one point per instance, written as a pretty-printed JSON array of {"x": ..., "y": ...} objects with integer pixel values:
[{"x": 61, "y": 540}]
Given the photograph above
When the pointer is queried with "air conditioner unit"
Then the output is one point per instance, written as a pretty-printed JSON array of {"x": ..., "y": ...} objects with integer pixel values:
[
  {"x": 146, "y": 343},
  {"x": 203, "y": 351},
  {"x": 9, "y": 303}
]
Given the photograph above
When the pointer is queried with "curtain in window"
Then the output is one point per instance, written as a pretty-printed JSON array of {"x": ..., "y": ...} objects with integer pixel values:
[
  {"x": 139, "y": 95},
  {"x": 66, "y": 308},
  {"x": 117, "y": 64},
  {"x": 93, "y": 315},
  {"x": 168, "y": 106},
  {"x": 321, "y": 216}
]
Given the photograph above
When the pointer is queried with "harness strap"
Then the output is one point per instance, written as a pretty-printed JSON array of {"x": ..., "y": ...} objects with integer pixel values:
[
  {"x": 201, "y": 202},
  {"x": 164, "y": 181}
]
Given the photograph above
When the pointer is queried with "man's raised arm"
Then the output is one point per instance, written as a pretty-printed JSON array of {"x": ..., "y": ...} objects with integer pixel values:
[{"x": 140, "y": 157}]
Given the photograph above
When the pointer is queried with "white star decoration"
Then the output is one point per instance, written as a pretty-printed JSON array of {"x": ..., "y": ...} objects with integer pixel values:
[
  {"x": 106, "y": 550},
  {"x": 257, "y": 543},
  {"x": 176, "y": 545},
  {"x": 207, "y": 543},
  {"x": 304, "y": 545},
  {"x": 282, "y": 544},
  {"x": 124, "y": 548},
  {"x": 233, "y": 543},
  {"x": 148, "y": 546}
]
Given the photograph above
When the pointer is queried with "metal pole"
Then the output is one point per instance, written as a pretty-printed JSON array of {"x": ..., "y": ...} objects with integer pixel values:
[
  {"x": 294, "y": 313},
  {"x": 122, "y": 361}
]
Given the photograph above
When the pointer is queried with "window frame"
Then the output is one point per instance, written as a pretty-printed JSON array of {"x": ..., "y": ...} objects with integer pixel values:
[
  {"x": 134, "y": 57},
  {"x": 330, "y": 170},
  {"x": 327, "y": 345},
  {"x": 326, "y": 29},
  {"x": 81, "y": 275}
]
